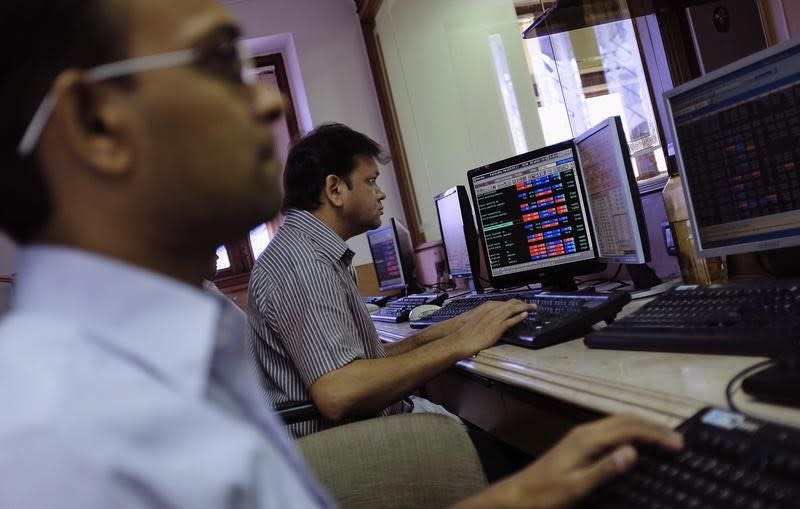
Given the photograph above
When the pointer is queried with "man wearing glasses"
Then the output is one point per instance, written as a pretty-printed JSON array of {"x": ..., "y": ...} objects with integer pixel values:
[{"x": 133, "y": 143}]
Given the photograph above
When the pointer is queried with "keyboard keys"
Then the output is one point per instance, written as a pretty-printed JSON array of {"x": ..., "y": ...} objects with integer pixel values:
[{"x": 719, "y": 468}]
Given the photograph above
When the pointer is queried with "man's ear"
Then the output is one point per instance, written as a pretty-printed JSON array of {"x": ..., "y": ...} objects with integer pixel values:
[
  {"x": 333, "y": 190},
  {"x": 93, "y": 123}
]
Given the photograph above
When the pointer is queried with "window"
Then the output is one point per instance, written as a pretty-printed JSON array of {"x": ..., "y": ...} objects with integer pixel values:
[
  {"x": 585, "y": 75},
  {"x": 234, "y": 261}
]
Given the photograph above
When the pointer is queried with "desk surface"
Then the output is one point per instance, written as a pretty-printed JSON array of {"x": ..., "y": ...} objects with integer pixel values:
[{"x": 665, "y": 387}]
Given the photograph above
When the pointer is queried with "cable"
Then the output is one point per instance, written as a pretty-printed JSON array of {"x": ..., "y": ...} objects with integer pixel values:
[{"x": 742, "y": 374}]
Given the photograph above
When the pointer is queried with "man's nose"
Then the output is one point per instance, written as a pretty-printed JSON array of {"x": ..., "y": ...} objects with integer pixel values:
[{"x": 268, "y": 103}]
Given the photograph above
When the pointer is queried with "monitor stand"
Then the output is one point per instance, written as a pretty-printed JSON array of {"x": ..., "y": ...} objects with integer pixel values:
[
  {"x": 777, "y": 384},
  {"x": 474, "y": 286},
  {"x": 559, "y": 283},
  {"x": 780, "y": 263},
  {"x": 645, "y": 281},
  {"x": 414, "y": 288},
  {"x": 642, "y": 275}
]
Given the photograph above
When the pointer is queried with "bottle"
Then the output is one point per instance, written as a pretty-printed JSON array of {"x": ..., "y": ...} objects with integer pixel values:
[{"x": 694, "y": 269}]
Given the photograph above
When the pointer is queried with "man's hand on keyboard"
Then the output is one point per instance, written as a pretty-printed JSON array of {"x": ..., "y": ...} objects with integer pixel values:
[
  {"x": 585, "y": 458},
  {"x": 484, "y": 325}
]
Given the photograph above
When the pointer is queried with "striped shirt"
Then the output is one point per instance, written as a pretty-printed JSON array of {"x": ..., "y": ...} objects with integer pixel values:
[{"x": 306, "y": 315}]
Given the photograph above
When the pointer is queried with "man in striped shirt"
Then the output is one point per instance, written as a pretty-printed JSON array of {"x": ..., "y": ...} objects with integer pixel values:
[{"x": 310, "y": 329}]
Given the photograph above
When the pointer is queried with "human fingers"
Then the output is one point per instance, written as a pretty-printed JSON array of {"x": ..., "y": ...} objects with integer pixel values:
[
  {"x": 590, "y": 440},
  {"x": 513, "y": 307},
  {"x": 603, "y": 470},
  {"x": 477, "y": 314},
  {"x": 621, "y": 429},
  {"x": 511, "y": 311}
]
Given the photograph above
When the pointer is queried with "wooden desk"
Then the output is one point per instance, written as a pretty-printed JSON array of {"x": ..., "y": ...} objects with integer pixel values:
[{"x": 570, "y": 383}]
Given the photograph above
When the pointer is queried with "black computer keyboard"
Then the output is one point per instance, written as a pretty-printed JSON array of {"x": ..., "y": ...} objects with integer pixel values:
[
  {"x": 756, "y": 318},
  {"x": 729, "y": 461},
  {"x": 560, "y": 316},
  {"x": 397, "y": 310}
]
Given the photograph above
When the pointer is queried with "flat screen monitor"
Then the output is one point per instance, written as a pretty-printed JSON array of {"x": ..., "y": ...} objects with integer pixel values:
[
  {"x": 393, "y": 257},
  {"x": 737, "y": 142},
  {"x": 533, "y": 219},
  {"x": 459, "y": 236},
  {"x": 386, "y": 258},
  {"x": 613, "y": 194}
]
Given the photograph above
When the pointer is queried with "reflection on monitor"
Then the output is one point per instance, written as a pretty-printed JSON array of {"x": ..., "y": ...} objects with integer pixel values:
[
  {"x": 613, "y": 194},
  {"x": 406, "y": 256},
  {"x": 533, "y": 218},
  {"x": 458, "y": 235},
  {"x": 386, "y": 258},
  {"x": 393, "y": 257},
  {"x": 737, "y": 141}
]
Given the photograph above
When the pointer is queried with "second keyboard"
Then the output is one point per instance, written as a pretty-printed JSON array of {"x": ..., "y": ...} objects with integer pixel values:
[
  {"x": 560, "y": 316},
  {"x": 748, "y": 318}
]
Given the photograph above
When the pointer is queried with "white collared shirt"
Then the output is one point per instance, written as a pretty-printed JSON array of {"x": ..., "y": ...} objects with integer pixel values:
[{"x": 119, "y": 387}]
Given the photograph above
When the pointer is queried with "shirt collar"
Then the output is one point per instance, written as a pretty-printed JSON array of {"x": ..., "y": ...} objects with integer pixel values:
[
  {"x": 169, "y": 326},
  {"x": 320, "y": 233}
]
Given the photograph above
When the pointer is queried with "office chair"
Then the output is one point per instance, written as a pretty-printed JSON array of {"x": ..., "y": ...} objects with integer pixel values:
[{"x": 400, "y": 461}]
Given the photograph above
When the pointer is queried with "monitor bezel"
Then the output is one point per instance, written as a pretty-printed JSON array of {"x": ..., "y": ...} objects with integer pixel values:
[
  {"x": 468, "y": 229},
  {"x": 632, "y": 197},
  {"x": 542, "y": 275},
  {"x": 396, "y": 244},
  {"x": 741, "y": 247}
]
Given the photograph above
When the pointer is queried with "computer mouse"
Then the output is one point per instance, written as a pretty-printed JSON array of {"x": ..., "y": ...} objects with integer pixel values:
[
  {"x": 420, "y": 312},
  {"x": 372, "y": 308}
]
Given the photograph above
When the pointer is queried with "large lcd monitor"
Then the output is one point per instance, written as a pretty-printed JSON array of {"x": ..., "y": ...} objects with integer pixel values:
[
  {"x": 459, "y": 236},
  {"x": 737, "y": 142},
  {"x": 613, "y": 194},
  {"x": 393, "y": 257},
  {"x": 533, "y": 218}
]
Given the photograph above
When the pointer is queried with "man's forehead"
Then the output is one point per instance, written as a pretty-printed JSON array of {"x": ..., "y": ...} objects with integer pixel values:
[
  {"x": 367, "y": 164},
  {"x": 159, "y": 25}
]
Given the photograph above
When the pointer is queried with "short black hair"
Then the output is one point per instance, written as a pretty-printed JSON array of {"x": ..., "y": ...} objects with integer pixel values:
[
  {"x": 330, "y": 149},
  {"x": 38, "y": 40}
]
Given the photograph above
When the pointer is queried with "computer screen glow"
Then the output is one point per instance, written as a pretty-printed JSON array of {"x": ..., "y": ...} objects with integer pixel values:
[
  {"x": 532, "y": 212},
  {"x": 613, "y": 194},
  {"x": 737, "y": 134}
]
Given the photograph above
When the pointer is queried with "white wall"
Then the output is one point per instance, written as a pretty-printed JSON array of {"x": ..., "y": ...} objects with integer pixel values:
[
  {"x": 326, "y": 48},
  {"x": 446, "y": 90}
]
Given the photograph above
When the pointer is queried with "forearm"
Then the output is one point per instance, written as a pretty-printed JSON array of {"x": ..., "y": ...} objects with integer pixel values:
[
  {"x": 423, "y": 337},
  {"x": 366, "y": 386}
]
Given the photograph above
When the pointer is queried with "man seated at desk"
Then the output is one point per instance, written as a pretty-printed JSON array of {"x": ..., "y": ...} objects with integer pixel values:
[
  {"x": 123, "y": 384},
  {"x": 310, "y": 328}
]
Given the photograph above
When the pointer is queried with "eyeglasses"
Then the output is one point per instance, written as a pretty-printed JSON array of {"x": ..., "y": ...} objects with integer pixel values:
[{"x": 228, "y": 61}]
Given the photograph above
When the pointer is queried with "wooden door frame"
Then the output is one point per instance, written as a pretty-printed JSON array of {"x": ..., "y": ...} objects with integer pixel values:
[{"x": 367, "y": 12}]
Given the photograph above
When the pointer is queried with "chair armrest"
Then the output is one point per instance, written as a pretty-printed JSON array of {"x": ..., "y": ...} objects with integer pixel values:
[{"x": 292, "y": 412}]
